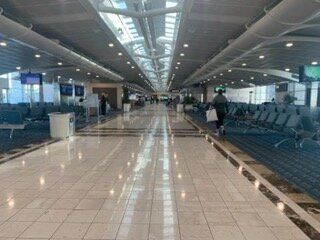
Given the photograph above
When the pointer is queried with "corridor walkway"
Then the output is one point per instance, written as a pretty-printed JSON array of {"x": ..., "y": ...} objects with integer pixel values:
[{"x": 144, "y": 175}]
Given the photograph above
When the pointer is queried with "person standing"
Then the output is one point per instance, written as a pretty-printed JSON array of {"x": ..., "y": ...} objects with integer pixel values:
[
  {"x": 103, "y": 103},
  {"x": 220, "y": 103}
]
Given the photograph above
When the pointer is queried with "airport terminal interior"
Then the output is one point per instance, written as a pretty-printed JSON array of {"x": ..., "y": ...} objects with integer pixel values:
[{"x": 160, "y": 119}]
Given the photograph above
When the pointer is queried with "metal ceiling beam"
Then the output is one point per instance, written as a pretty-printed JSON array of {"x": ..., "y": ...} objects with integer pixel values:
[
  {"x": 271, "y": 72},
  {"x": 144, "y": 14},
  {"x": 24, "y": 35},
  {"x": 273, "y": 25},
  {"x": 152, "y": 57}
]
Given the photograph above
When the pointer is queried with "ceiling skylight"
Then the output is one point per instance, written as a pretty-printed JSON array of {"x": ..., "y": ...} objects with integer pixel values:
[{"x": 150, "y": 41}]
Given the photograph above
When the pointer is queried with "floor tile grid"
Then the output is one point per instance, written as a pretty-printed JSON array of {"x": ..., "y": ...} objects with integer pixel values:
[
  {"x": 202, "y": 209},
  {"x": 301, "y": 235},
  {"x": 212, "y": 183},
  {"x": 53, "y": 203}
]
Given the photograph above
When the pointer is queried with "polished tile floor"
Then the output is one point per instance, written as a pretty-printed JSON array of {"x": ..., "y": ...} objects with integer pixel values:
[{"x": 144, "y": 175}]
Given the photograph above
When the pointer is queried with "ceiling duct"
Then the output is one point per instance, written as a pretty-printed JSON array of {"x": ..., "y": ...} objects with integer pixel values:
[
  {"x": 287, "y": 15},
  {"x": 18, "y": 32}
]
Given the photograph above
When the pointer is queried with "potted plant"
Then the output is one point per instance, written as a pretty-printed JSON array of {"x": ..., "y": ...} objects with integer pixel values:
[
  {"x": 125, "y": 100},
  {"x": 288, "y": 99},
  {"x": 188, "y": 103}
]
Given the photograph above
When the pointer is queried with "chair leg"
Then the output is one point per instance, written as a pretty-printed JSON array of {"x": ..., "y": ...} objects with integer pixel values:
[
  {"x": 283, "y": 141},
  {"x": 11, "y": 133}
]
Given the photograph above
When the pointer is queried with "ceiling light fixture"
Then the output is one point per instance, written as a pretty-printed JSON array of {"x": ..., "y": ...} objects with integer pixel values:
[
  {"x": 177, "y": 67},
  {"x": 252, "y": 78},
  {"x": 128, "y": 62},
  {"x": 185, "y": 45},
  {"x": 78, "y": 69},
  {"x": 59, "y": 63},
  {"x": 111, "y": 45},
  {"x": 97, "y": 76},
  {"x": 287, "y": 69},
  {"x": 37, "y": 55},
  {"x": 289, "y": 45},
  {"x": 261, "y": 57},
  {"x": 265, "y": 75},
  {"x": 88, "y": 74},
  {"x": 120, "y": 53},
  {"x": 182, "y": 54},
  {"x": 3, "y": 44},
  {"x": 244, "y": 64},
  {"x": 229, "y": 70},
  {"x": 314, "y": 63},
  {"x": 241, "y": 80},
  {"x": 178, "y": 63},
  {"x": 18, "y": 68},
  {"x": 132, "y": 67}
]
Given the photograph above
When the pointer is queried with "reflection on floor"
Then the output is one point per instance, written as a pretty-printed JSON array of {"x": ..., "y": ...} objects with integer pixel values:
[{"x": 144, "y": 175}]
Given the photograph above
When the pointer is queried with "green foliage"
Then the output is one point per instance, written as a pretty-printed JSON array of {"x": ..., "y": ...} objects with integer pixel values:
[
  {"x": 125, "y": 98},
  {"x": 288, "y": 99}
]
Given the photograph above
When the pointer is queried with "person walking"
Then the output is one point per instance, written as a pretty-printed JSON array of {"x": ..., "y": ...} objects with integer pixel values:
[
  {"x": 220, "y": 103},
  {"x": 103, "y": 103}
]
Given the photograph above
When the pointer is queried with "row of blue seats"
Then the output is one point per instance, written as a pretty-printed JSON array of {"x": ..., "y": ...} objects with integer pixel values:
[
  {"x": 295, "y": 123},
  {"x": 41, "y": 112}
]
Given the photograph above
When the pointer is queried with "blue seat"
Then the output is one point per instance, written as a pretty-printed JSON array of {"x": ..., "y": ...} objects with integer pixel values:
[{"x": 11, "y": 120}]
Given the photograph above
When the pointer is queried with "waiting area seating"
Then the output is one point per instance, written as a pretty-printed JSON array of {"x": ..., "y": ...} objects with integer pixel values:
[
  {"x": 296, "y": 124},
  {"x": 17, "y": 116}
]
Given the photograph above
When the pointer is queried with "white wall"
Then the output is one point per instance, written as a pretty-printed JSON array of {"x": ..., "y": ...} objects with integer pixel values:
[{"x": 239, "y": 95}]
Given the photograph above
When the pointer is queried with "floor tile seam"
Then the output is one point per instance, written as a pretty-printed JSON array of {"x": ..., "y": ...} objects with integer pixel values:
[
  {"x": 154, "y": 182},
  {"x": 125, "y": 209},
  {"x": 201, "y": 205},
  {"x": 265, "y": 183}
]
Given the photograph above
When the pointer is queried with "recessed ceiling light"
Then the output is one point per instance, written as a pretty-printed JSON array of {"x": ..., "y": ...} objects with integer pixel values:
[
  {"x": 182, "y": 54},
  {"x": 314, "y": 63},
  {"x": 289, "y": 45},
  {"x": 111, "y": 45},
  {"x": 44, "y": 74},
  {"x": 287, "y": 69},
  {"x": 265, "y": 75},
  {"x": 132, "y": 67},
  {"x": 226, "y": 84},
  {"x": 252, "y": 78},
  {"x": 78, "y": 69},
  {"x": 244, "y": 64},
  {"x": 37, "y": 56},
  {"x": 185, "y": 45},
  {"x": 128, "y": 62},
  {"x": 241, "y": 80},
  {"x": 120, "y": 54},
  {"x": 178, "y": 63},
  {"x": 59, "y": 77},
  {"x": 88, "y": 73},
  {"x": 3, "y": 44},
  {"x": 177, "y": 67},
  {"x": 97, "y": 76},
  {"x": 59, "y": 63},
  {"x": 70, "y": 79},
  {"x": 261, "y": 57},
  {"x": 229, "y": 70},
  {"x": 221, "y": 74},
  {"x": 232, "y": 82},
  {"x": 18, "y": 68}
]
